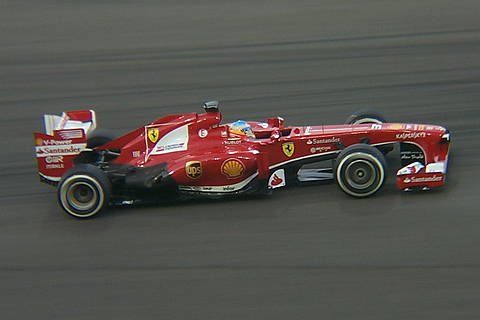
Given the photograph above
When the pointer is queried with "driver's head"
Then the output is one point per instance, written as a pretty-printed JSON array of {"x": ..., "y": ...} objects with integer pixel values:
[{"x": 241, "y": 128}]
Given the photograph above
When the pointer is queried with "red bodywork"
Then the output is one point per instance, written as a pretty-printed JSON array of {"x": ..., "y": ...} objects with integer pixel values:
[{"x": 202, "y": 157}]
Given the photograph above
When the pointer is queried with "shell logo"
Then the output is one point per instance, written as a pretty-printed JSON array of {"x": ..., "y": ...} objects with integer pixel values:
[{"x": 233, "y": 168}]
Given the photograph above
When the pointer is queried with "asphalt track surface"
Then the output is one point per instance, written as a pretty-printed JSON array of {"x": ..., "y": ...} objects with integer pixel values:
[{"x": 303, "y": 253}]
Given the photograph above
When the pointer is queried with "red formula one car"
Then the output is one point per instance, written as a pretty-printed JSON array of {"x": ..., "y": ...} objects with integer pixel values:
[{"x": 195, "y": 155}]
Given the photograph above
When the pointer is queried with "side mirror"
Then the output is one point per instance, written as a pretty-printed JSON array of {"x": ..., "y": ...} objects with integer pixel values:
[
  {"x": 211, "y": 106},
  {"x": 276, "y": 122},
  {"x": 275, "y": 135}
]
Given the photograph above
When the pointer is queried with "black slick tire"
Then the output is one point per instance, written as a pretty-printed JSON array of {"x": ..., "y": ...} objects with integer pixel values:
[
  {"x": 84, "y": 190},
  {"x": 99, "y": 137},
  {"x": 360, "y": 170},
  {"x": 367, "y": 116},
  {"x": 373, "y": 116}
]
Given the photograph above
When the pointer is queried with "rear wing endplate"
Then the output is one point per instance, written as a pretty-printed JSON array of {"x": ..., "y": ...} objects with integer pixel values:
[{"x": 64, "y": 138}]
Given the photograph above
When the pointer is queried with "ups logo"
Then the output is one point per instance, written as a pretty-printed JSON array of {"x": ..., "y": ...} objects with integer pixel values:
[{"x": 193, "y": 169}]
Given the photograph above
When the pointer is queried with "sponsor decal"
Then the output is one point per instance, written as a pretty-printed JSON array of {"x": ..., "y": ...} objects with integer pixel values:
[
  {"x": 323, "y": 141},
  {"x": 376, "y": 126},
  {"x": 411, "y": 135},
  {"x": 193, "y": 169},
  {"x": 54, "y": 159},
  {"x": 153, "y": 134},
  {"x": 411, "y": 168},
  {"x": 135, "y": 154},
  {"x": 59, "y": 150},
  {"x": 288, "y": 148},
  {"x": 170, "y": 148},
  {"x": 53, "y": 142},
  {"x": 233, "y": 168},
  {"x": 435, "y": 167},
  {"x": 412, "y": 155},
  {"x": 277, "y": 179},
  {"x": 196, "y": 188},
  {"x": 175, "y": 140},
  {"x": 202, "y": 133},
  {"x": 54, "y": 162},
  {"x": 63, "y": 121},
  {"x": 319, "y": 149},
  {"x": 434, "y": 178},
  {"x": 232, "y": 142},
  {"x": 395, "y": 126},
  {"x": 71, "y": 134},
  {"x": 221, "y": 189},
  {"x": 54, "y": 166}
]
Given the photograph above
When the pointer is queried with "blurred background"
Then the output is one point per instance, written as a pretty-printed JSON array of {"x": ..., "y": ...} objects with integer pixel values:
[{"x": 303, "y": 253}]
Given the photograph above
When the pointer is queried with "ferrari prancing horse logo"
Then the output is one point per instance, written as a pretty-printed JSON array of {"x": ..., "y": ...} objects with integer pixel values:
[
  {"x": 288, "y": 148},
  {"x": 153, "y": 134}
]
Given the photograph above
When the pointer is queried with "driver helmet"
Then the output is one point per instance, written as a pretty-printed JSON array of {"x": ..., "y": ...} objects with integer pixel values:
[{"x": 241, "y": 128}]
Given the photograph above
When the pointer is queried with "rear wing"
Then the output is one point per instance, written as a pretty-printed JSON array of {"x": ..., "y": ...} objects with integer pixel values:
[
  {"x": 85, "y": 120},
  {"x": 64, "y": 138}
]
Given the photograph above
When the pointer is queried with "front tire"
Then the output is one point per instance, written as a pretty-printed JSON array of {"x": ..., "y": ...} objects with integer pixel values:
[
  {"x": 84, "y": 190},
  {"x": 360, "y": 170},
  {"x": 367, "y": 116}
]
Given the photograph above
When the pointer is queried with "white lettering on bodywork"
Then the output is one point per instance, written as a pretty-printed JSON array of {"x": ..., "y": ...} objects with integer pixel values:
[
  {"x": 60, "y": 150},
  {"x": 175, "y": 140}
]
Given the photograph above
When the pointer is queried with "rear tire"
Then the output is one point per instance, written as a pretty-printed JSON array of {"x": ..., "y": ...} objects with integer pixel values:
[
  {"x": 84, "y": 190},
  {"x": 360, "y": 170},
  {"x": 99, "y": 137}
]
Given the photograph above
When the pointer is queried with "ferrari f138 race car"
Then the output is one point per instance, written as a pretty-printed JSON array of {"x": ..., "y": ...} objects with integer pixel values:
[{"x": 192, "y": 154}]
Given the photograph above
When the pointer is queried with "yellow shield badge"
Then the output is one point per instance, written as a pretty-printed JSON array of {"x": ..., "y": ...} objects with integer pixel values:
[
  {"x": 152, "y": 134},
  {"x": 288, "y": 148}
]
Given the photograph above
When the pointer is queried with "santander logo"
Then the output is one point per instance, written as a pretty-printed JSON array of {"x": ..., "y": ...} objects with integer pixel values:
[{"x": 276, "y": 180}]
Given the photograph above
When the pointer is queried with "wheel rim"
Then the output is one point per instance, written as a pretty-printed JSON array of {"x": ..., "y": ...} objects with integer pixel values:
[
  {"x": 360, "y": 174},
  {"x": 368, "y": 120},
  {"x": 82, "y": 196}
]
